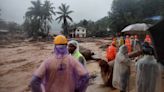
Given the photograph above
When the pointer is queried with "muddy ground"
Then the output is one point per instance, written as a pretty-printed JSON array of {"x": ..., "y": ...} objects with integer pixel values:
[{"x": 19, "y": 60}]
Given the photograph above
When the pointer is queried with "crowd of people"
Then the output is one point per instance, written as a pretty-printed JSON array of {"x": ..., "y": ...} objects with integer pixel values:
[
  {"x": 65, "y": 70},
  {"x": 122, "y": 52}
]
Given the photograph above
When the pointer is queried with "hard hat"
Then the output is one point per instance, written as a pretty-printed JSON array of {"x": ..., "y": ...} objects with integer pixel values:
[{"x": 60, "y": 40}]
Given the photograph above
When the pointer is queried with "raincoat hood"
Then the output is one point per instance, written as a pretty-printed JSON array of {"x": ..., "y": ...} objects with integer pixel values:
[
  {"x": 123, "y": 49},
  {"x": 121, "y": 72},
  {"x": 75, "y": 43}
]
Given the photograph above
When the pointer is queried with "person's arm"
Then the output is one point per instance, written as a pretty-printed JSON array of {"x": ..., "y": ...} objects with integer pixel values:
[
  {"x": 134, "y": 54},
  {"x": 82, "y": 60},
  {"x": 36, "y": 84},
  {"x": 83, "y": 77},
  {"x": 125, "y": 60},
  {"x": 37, "y": 78}
]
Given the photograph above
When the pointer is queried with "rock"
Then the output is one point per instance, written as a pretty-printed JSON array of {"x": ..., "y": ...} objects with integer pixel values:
[{"x": 86, "y": 53}]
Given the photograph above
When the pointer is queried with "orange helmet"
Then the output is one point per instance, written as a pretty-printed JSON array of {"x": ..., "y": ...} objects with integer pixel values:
[{"x": 60, "y": 40}]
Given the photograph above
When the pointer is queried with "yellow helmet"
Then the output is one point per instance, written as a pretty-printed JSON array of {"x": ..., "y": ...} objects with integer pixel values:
[{"x": 60, "y": 40}]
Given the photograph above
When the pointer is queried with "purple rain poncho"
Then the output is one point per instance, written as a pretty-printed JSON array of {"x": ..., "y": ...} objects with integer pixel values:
[{"x": 60, "y": 73}]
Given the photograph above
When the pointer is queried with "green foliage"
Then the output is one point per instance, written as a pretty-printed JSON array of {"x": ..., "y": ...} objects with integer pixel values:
[
  {"x": 10, "y": 26},
  {"x": 38, "y": 18},
  {"x": 125, "y": 12},
  {"x": 64, "y": 16},
  {"x": 122, "y": 14},
  {"x": 97, "y": 29}
]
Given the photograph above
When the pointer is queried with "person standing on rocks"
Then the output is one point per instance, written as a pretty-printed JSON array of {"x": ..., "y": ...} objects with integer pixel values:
[{"x": 60, "y": 72}]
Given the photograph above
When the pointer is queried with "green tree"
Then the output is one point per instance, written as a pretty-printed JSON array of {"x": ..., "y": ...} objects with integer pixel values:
[
  {"x": 48, "y": 11},
  {"x": 34, "y": 17},
  {"x": 64, "y": 16},
  {"x": 125, "y": 12},
  {"x": 38, "y": 18}
]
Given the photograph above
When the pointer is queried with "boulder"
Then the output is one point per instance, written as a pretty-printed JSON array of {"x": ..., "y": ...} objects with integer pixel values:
[{"x": 86, "y": 53}]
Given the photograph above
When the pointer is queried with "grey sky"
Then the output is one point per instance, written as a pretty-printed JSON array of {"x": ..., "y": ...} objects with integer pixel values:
[{"x": 14, "y": 10}]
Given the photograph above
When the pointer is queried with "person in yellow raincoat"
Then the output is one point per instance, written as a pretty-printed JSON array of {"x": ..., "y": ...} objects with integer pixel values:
[
  {"x": 121, "y": 41},
  {"x": 73, "y": 48}
]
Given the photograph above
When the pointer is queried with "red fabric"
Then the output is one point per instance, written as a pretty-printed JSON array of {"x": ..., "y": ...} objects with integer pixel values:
[
  {"x": 148, "y": 39},
  {"x": 128, "y": 44},
  {"x": 136, "y": 37},
  {"x": 111, "y": 53}
]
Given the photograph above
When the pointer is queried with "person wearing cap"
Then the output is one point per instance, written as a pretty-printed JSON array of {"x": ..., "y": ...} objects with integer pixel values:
[
  {"x": 148, "y": 77},
  {"x": 73, "y": 48},
  {"x": 60, "y": 72},
  {"x": 110, "y": 56}
]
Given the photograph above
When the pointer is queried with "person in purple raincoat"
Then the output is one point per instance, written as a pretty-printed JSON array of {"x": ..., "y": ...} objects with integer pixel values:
[{"x": 60, "y": 72}]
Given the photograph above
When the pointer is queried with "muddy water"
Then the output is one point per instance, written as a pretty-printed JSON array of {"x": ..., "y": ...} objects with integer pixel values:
[
  {"x": 97, "y": 83},
  {"x": 18, "y": 61}
]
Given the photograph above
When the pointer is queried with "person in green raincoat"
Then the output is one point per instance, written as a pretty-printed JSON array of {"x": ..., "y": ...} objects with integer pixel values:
[{"x": 73, "y": 48}]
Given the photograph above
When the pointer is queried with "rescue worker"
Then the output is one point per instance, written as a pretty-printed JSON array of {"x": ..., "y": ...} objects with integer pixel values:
[
  {"x": 148, "y": 39},
  {"x": 137, "y": 44},
  {"x": 60, "y": 72},
  {"x": 73, "y": 48},
  {"x": 121, "y": 72},
  {"x": 148, "y": 71},
  {"x": 121, "y": 42},
  {"x": 115, "y": 39},
  {"x": 111, "y": 52},
  {"x": 128, "y": 44},
  {"x": 110, "y": 55}
]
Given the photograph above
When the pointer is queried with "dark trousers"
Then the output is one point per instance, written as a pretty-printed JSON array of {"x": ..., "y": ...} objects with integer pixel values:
[
  {"x": 111, "y": 78},
  {"x": 122, "y": 91}
]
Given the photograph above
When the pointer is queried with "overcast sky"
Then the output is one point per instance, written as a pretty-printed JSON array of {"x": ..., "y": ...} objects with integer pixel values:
[{"x": 14, "y": 10}]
